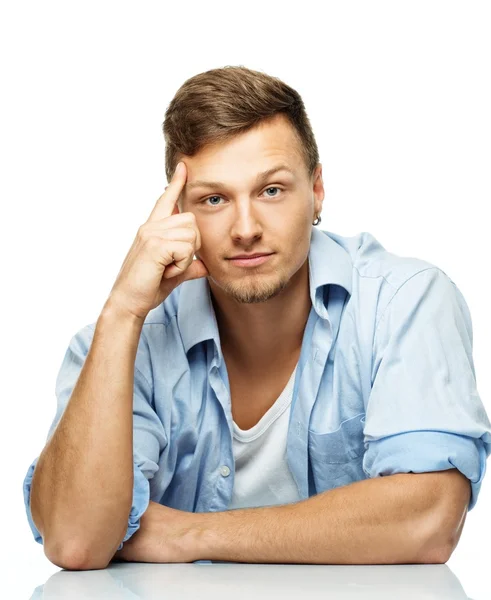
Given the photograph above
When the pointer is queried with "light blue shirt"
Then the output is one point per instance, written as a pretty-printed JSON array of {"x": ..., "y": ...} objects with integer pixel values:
[{"x": 385, "y": 384}]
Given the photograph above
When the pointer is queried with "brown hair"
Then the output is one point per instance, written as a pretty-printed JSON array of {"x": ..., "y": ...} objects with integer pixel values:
[{"x": 218, "y": 104}]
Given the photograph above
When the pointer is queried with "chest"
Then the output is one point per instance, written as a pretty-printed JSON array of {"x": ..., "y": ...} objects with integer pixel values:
[{"x": 252, "y": 396}]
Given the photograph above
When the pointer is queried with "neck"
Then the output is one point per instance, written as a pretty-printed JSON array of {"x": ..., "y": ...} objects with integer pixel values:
[{"x": 259, "y": 336}]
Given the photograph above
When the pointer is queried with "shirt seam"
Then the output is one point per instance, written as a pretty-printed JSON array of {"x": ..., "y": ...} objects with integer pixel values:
[{"x": 394, "y": 295}]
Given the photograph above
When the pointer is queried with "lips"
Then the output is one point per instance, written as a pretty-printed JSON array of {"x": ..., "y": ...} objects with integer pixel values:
[
  {"x": 250, "y": 255},
  {"x": 251, "y": 261}
]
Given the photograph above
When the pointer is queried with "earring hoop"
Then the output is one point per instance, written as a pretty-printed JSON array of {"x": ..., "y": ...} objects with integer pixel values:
[{"x": 317, "y": 220}]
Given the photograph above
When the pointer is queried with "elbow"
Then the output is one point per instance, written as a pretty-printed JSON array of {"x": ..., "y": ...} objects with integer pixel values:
[
  {"x": 438, "y": 555},
  {"x": 74, "y": 554},
  {"x": 438, "y": 551},
  {"x": 438, "y": 547},
  {"x": 444, "y": 527},
  {"x": 74, "y": 559}
]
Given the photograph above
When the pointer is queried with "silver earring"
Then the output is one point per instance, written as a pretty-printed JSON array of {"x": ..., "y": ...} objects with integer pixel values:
[{"x": 317, "y": 220}]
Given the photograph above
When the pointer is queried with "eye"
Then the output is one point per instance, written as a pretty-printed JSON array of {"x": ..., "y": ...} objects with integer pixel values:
[
  {"x": 209, "y": 198},
  {"x": 273, "y": 188},
  {"x": 267, "y": 189}
]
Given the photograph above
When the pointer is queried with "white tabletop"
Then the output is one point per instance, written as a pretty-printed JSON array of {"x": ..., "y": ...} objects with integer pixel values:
[
  {"x": 462, "y": 578},
  {"x": 219, "y": 581}
]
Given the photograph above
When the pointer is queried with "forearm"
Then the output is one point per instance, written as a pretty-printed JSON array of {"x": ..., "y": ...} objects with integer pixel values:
[
  {"x": 375, "y": 521},
  {"x": 83, "y": 482}
]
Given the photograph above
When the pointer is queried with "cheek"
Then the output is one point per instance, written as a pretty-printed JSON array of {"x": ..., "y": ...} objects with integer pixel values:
[
  {"x": 208, "y": 248},
  {"x": 300, "y": 240}
]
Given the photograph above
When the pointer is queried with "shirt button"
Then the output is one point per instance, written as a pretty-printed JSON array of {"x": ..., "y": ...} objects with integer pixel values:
[{"x": 224, "y": 470}]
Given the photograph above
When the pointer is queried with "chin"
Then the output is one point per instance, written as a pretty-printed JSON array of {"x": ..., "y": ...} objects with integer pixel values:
[{"x": 250, "y": 290}]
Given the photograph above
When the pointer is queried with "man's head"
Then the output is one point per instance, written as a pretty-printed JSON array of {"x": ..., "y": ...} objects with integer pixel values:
[{"x": 228, "y": 126}]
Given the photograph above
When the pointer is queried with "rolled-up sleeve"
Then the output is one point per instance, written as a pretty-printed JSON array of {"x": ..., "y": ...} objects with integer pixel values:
[
  {"x": 149, "y": 437},
  {"x": 424, "y": 412}
]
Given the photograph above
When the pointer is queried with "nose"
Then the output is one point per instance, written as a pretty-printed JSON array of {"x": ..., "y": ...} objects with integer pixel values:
[{"x": 246, "y": 227}]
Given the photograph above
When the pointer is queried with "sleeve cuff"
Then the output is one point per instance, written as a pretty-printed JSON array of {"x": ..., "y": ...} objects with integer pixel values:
[
  {"x": 27, "y": 501},
  {"x": 141, "y": 499},
  {"x": 425, "y": 451}
]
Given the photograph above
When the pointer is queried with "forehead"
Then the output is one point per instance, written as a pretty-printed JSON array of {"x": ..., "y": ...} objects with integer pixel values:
[{"x": 270, "y": 144}]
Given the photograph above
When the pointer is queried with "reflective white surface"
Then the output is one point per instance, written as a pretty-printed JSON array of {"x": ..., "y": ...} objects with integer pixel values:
[
  {"x": 27, "y": 574},
  {"x": 236, "y": 580}
]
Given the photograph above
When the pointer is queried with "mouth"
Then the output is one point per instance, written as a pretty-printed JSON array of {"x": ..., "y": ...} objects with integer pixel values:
[{"x": 253, "y": 261}]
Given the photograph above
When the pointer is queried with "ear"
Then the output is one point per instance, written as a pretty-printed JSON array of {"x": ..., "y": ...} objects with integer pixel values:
[{"x": 318, "y": 189}]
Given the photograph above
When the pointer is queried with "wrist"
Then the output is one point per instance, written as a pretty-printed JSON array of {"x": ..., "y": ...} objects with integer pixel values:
[
  {"x": 113, "y": 313},
  {"x": 196, "y": 543}
]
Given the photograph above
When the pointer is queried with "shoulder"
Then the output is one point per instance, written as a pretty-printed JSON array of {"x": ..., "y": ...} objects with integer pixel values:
[
  {"x": 373, "y": 265},
  {"x": 372, "y": 261},
  {"x": 380, "y": 276}
]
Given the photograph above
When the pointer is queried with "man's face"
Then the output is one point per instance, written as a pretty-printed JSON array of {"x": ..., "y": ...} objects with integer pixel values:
[{"x": 239, "y": 215}]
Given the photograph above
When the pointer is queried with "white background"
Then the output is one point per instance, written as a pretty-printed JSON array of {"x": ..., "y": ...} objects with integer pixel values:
[{"x": 398, "y": 94}]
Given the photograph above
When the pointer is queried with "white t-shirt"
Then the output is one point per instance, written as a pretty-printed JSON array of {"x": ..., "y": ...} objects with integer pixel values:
[{"x": 262, "y": 476}]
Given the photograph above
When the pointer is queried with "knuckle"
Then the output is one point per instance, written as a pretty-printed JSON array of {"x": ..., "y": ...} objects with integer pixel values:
[
  {"x": 154, "y": 242},
  {"x": 142, "y": 231}
]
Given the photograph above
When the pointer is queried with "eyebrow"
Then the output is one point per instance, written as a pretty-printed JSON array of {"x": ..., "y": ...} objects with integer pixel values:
[{"x": 260, "y": 178}]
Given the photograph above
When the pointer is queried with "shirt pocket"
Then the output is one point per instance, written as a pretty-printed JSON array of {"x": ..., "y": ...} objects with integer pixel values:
[{"x": 337, "y": 457}]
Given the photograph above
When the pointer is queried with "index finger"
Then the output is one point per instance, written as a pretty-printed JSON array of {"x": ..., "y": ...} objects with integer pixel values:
[{"x": 165, "y": 205}]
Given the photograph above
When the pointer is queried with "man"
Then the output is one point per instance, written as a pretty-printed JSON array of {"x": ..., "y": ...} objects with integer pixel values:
[{"x": 314, "y": 404}]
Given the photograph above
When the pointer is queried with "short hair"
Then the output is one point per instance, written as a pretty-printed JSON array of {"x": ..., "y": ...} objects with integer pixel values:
[{"x": 216, "y": 105}]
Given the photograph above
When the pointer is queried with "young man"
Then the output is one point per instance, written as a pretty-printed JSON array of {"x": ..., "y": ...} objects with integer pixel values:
[{"x": 324, "y": 390}]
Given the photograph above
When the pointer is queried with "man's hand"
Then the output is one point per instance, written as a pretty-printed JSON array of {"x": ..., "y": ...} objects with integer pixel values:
[
  {"x": 166, "y": 535},
  {"x": 161, "y": 257}
]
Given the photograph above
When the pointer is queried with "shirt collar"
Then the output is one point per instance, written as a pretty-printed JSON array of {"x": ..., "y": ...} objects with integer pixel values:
[{"x": 329, "y": 263}]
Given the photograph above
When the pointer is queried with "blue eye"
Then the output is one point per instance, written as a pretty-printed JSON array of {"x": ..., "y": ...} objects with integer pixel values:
[
  {"x": 269, "y": 188},
  {"x": 272, "y": 188},
  {"x": 210, "y": 199}
]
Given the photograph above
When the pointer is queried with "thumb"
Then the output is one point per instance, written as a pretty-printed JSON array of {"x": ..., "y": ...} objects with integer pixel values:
[{"x": 195, "y": 270}]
